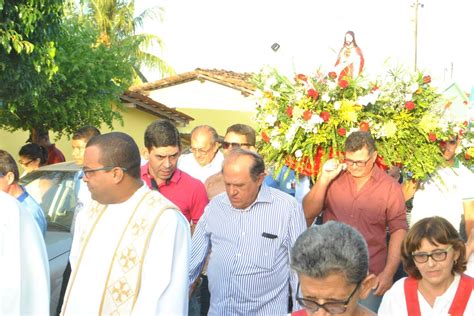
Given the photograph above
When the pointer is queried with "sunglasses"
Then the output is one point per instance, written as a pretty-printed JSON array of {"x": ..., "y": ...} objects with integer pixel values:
[{"x": 227, "y": 145}]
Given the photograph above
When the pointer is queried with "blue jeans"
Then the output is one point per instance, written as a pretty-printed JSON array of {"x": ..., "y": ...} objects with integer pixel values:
[{"x": 199, "y": 303}]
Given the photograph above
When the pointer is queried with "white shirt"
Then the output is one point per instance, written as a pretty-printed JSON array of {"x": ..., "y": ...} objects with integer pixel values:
[
  {"x": 188, "y": 164},
  {"x": 394, "y": 302},
  {"x": 164, "y": 283},
  {"x": 24, "y": 268},
  {"x": 443, "y": 195}
]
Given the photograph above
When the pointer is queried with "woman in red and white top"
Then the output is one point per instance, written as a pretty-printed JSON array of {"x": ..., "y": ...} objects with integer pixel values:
[{"x": 434, "y": 256}]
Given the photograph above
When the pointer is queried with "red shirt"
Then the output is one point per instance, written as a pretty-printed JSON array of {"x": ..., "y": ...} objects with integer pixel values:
[
  {"x": 54, "y": 155},
  {"x": 187, "y": 193},
  {"x": 378, "y": 204}
]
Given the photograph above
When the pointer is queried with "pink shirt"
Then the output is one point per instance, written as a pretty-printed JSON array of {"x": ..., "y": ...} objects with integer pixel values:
[
  {"x": 187, "y": 193},
  {"x": 378, "y": 204}
]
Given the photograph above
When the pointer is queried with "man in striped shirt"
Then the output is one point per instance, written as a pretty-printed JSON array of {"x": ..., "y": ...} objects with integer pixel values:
[{"x": 251, "y": 229}]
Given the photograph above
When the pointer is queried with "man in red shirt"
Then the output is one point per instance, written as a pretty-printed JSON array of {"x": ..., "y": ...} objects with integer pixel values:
[
  {"x": 360, "y": 194},
  {"x": 54, "y": 154},
  {"x": 163, "y": 147}
]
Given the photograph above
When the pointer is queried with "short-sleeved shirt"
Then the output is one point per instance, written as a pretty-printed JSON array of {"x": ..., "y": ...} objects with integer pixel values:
[
  {"x": 443, "y": 194},
  {"x": 186, "y": 192},
  {"x": 28, "y": 203},
  {"x": 378, "y": 204},
  {"x": 54, "y": 155}
]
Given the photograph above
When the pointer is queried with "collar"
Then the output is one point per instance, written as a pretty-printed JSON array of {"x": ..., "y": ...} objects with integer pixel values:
[
  {"x": 174, "y": 178},
  {"x": 22, "y": 196}
]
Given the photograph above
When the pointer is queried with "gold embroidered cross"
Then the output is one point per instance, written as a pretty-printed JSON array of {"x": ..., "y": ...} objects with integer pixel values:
[
  {"x": 128, "y": 258},
  {"x": 121, "y": 291}
]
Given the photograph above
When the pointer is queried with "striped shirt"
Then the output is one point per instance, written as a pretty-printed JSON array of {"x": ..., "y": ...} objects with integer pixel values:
[{"x": 249, "y": 267}]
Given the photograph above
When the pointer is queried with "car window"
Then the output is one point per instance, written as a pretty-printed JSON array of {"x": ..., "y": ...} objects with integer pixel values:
[{"x": 56, "y": 192}]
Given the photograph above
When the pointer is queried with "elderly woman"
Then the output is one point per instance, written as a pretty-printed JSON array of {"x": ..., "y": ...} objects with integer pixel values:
[
  {"x": 332, "y": 263},
  {"x": 433, "y": 255}
]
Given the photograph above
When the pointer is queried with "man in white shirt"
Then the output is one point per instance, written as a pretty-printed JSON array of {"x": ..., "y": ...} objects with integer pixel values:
[
  {"x": 205, "y": 158},
  {"x": 449, "y": 193},
  {"x": 130, "y": 253},
  {"x": 24, "y": 273}
]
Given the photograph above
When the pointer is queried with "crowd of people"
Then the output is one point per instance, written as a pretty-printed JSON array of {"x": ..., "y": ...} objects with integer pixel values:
[{"x": 207, "y": 231}]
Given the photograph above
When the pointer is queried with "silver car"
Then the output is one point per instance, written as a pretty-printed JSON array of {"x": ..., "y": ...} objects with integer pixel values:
[{"x": 56, "y": 188}]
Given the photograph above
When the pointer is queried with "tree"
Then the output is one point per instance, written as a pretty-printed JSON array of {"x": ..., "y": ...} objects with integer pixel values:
[
  {"x": 28, "y": 32},
  {"x": 118, "y": 26},
  {"x": 91, "y": 77}
]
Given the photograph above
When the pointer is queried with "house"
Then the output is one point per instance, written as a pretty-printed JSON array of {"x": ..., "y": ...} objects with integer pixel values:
[{"x": 214, "y": 97}]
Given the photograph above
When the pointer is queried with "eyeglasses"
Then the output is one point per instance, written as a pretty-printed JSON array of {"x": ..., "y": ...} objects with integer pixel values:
[
  {"x": 88, "y": 172},
  {"x": 226, "y": 145},
  {"x": 358, "y": 163},
  {"x": 437, "y": 255},
  {"x": 335, "y": 307},
  {"x": 26, "y": 163},
  {"x": 201, "y": 151}
]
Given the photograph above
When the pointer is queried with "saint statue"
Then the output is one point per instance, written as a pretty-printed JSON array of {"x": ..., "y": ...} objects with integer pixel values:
[{"x": 350, "y": 61}]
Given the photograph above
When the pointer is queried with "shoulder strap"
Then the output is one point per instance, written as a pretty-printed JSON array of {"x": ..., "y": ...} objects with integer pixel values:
[
  {"x": 463, "y": 293},
  {"x": 411, "y": 296}
]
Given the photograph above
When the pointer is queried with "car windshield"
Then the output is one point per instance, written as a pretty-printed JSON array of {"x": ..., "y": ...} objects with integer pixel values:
[{"x": 55, "y": 191}]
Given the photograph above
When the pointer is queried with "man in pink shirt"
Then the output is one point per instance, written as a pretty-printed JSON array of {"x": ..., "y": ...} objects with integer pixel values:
[
  {"x": 163, "y": 147},
  {"x": 360, "y": 194}
]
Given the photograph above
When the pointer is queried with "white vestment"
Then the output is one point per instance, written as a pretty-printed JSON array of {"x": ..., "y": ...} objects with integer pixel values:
[
  {"x": 160, "y": 287},
  {"x": 24, "y": 269}
]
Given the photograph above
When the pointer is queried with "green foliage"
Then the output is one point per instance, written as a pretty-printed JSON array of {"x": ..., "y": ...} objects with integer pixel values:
[{"x": 90, "y": 78}]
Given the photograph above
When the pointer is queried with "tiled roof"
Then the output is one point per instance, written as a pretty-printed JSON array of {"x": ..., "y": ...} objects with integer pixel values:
[
  {"x": 149, "y": 105},
  {"x": 234, "y": 80}
]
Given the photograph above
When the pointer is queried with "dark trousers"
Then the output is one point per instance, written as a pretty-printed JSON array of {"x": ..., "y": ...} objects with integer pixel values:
[
  {"x": 199, "y": 302},
  {"x": 66, "y": 275}
]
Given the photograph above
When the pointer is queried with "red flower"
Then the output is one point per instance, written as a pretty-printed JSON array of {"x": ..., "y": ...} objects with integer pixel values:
[
  {"x": 410, "y": 105},
  {"x": 364, "y": 126},
  {"x": 325, "y": 116},
  {"x": 289, "y": 111},
  {"x": 301, "y": 77},
  {"x": 467, "y": 156},
  {"x": 465, "y": 123},
  {"x": 426, "y": 79},
  {"x": 332, "y": 75},
  {"x": 341, "y": 131},
  {"x": 465, "y": 102},
  {"x": 343, "y": 84},
  {"x": 265, "y": 137},
  {"x": 307, "y": 115},
  {"x": 313, "y": 94},
  {"x": 374, "y": 88},
  {"x": 432, "y": 137}
]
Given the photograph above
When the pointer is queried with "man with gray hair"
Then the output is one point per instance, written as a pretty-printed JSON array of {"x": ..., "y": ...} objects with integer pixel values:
[
  {"x": 251, "y": 229},
  {"x": 205, "y": 158},
  {"x": 332, "y": 262}
]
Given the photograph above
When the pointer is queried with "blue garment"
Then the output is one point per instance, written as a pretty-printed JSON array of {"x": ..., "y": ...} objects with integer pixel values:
[
  {"x": 249, "y": 267},
  {"x": 28, "y": 203},
  {"x": 281, "y": 183}
]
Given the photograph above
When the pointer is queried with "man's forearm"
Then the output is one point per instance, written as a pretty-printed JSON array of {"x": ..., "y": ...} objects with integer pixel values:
[{"x": 394, "y": 251}]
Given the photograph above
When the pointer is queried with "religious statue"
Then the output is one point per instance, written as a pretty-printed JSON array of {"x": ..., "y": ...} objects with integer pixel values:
[{"x": 350, "y": 61}]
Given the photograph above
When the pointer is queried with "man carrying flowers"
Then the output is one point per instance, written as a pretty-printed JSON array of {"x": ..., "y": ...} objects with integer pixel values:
[{"x": 357, "y": 192}]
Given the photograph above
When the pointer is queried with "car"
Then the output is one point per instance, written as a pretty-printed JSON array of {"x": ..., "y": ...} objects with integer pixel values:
[{"x": 55, "y": 187}]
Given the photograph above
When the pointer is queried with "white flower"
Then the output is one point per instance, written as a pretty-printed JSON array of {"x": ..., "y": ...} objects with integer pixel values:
[
  {"x": 325, "y": 97},
  {"x": 408, "y": 97},
  {"x": 275, "y": 143},
  {"x": 363, "y": 100},
  {"x": 298, "y": 153},
  {"x": 337, "y": 105},
  {"x": 276, "y": 94},
  {"x": 270, "y": 119},
  {"x": 332, "y": 85},
  {"x": 291, "y": 132},
  {"x": 352, "y": 130},
  {"x": 413, "y": 87},
  {"x": 298, "y": 96},
  {"x": 315, "y": 129},
  {"x": 315, "y": 119}
]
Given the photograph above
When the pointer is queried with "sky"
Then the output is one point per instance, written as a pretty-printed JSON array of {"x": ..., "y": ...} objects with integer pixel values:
[{"x": 237, "y": 35}]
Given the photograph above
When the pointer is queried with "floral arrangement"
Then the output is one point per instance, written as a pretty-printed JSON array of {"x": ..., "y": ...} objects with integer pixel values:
[{"x": 304, "y": 121}]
